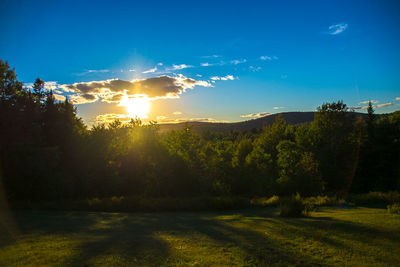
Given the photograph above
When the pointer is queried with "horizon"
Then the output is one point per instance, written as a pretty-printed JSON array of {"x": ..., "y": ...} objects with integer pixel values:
[{"x": 219, "y": 62}]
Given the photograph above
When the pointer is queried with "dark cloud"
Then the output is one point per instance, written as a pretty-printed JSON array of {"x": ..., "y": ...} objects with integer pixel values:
[{"x": 114, "y": 90}]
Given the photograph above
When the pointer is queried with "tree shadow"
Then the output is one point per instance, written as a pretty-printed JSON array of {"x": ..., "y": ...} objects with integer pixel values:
[{"x": 137, "y": 237}]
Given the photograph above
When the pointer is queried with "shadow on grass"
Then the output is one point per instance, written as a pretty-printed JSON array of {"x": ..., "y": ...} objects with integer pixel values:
[{"x": 135, "y": 237}]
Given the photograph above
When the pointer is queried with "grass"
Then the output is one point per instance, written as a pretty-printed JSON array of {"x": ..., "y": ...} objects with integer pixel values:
[{"x": 255, "y": 237}]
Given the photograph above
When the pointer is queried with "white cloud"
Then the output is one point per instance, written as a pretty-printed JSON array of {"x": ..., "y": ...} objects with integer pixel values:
[
  {"x": 211, "y": 120},
  {"x": 337, "y": 28},
  {"x": 384, "y": 105},
  {"x": 265, "y": 58},
  {"x": 177, "y": 113},
  {"x": 150, "y": 70},
  {"x": 131, "y": 70},
  {"x": 372, "y": 101},
  {"x": 212, "y": 56},
  {"x": 160, "y": 64},
  {"x": 59, "y": 97},
  {"x": 206, "y": 64},
  {"x": 374, "y": 106},
  {"x": 277, "y": 108},
  {"x": 237, "y": 61},
  {"x": 224, "y": 78},
  {"x": 256, "y": 115},
  {"x": 101, "y": 71},
  {"x": 269, "y": 58},
  {"x": 397, "y": 98},
  {"x": 254, "y": 69},
  {"x": 181, "y": 66}
]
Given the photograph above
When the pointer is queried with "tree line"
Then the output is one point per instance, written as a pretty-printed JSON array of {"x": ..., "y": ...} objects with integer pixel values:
[{"x": 47, "y": 153}]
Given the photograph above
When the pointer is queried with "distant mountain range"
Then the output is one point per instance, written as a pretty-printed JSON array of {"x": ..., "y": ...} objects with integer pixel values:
[{"x": 290, "y": 117}]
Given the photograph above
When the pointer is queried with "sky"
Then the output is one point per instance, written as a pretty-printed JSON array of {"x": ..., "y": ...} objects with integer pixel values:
[{"x": 216, "y": 61}]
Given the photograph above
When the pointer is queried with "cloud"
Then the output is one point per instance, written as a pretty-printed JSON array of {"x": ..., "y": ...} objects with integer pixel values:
[
  {"x": 372, "y": 101},
  {"x": 131, "y": 70},
  {"x": 113, "y": 90},
  {"x": 256, "y": 115},
  {"x": 59, "y": 97},
  {"x": 110, "y": 117},
  {"x": 269, "y": 58},
  {"x": 177, "y": 113},
  {"x": 374, "y": 106},
  {"x": 337, "y": 28},
  {"x": 212, "y": 56},
  {"x": 166, "y": 120},
  {"x": 180, "y": 67},
  {"x": 101, "y": 71},
  {"x": 265, "y": 58},
  {"x": 383, "y": 105},
  {"x": 225, "y": 78},
  {"x": 397, "y": 98},
  {"x": 50, "y": 85},
  {"x": 254, "y": 69},
  {"x": 206, "y": 64},
  {"x": 150, "y": 70},
  {"x": 237, "y": 61},
  {"x": 92, "y": 71},
  {"x": 277, "y": 107}
]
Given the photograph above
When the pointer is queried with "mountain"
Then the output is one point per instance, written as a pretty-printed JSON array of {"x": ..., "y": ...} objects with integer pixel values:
[{"x": 290, "y": 117}]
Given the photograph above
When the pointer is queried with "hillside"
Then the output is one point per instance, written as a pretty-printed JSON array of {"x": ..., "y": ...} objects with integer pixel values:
[{"x": 290, "y": 117}]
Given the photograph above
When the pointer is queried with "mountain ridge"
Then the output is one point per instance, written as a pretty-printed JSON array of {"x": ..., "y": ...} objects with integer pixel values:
[{"x": 293, "y": 118}]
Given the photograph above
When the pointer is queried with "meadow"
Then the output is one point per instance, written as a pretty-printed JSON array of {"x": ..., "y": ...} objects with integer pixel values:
[{"x": 330, "y": 236}]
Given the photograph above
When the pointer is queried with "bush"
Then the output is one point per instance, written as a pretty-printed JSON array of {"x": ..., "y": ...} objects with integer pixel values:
[
  {"x": 394, "y": 209},
  {"x": 265, "y": 202},
  {"x": 319, "y": 201},
  {"x": 293, "y": 206}
]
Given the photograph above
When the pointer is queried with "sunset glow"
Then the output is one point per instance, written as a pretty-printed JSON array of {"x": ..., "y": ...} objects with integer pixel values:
[{"x": 137, "y": 106}]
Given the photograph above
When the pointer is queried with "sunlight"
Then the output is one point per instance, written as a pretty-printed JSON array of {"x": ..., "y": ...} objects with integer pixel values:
[{"x": 136, "y": 107}]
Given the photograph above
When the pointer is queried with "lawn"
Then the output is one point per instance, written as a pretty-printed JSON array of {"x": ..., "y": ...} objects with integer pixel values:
[{"x": 329, "y": 237}]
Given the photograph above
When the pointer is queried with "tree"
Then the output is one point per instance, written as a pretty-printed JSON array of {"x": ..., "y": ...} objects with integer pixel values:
[
  {"x": 335, "y": 142},
  {"x": 298, "y": 171}
]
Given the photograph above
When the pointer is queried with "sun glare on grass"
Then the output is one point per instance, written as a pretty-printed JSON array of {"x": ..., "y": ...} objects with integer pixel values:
[{"x": 137, "y": 106}]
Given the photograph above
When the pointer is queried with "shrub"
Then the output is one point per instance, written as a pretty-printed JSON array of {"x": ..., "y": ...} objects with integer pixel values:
[
  {"x": 265, "y": 202},
  {"x": 319, "y": 201},
  {"x": 394, "y": 209},
  {"x": 293, "y": 206}
]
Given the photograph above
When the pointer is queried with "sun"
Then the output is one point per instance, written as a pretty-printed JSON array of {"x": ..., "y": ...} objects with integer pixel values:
[{"x": 137, "y": 106}]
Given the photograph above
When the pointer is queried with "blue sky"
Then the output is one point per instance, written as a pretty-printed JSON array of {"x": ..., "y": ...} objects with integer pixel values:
[{"x": 244, "y": 59}]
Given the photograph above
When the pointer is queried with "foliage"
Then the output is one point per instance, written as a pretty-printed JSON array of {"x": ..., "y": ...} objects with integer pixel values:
[
  {"x": 266, "y": 202},
  {"x": 292, "y": 206},
  {"x": 394, "y": 208}
]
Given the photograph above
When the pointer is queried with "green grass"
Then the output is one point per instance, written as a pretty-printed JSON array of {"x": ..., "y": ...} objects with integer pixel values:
[{"x": 329, "y": 237}]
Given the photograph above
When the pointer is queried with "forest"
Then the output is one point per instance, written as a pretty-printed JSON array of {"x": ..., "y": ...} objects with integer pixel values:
[{"x": 47, "y": 153}]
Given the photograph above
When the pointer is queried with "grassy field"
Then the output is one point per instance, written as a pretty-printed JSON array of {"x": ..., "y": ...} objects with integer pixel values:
[{"x": 329, "y": 237}]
